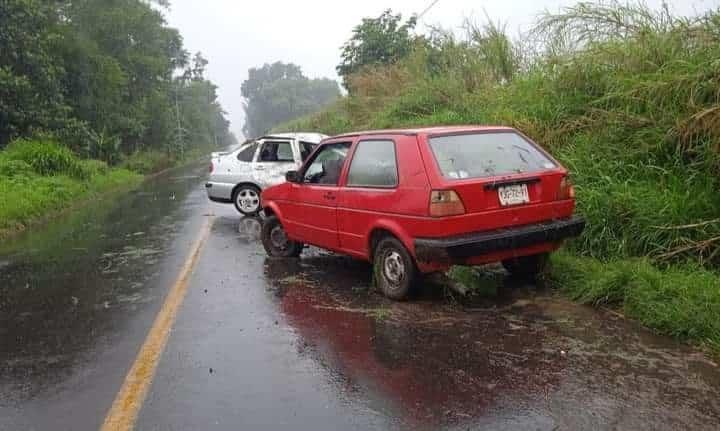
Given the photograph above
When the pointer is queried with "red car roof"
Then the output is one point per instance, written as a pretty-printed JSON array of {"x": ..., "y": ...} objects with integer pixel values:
[{"x": 424, "y": 130}]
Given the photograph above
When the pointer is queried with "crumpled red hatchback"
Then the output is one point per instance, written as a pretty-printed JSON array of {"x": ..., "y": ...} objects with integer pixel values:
[{"x": 420, "y": 200}]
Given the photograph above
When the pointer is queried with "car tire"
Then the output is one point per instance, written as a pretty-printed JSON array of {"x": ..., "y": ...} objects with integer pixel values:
[
  {"x": 276, "y": 242},
  {"x": 526, "y": 266},
  {"x": 247, "y": 200},
  {"x": 394, "y": 269}
]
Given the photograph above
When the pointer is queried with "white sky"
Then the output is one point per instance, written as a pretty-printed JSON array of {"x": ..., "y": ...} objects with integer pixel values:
[{"x": 235, "y": 35}]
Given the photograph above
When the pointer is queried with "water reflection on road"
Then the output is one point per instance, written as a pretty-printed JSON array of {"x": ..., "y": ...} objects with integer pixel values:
[
  {"x": 77, "y": 296},
  {"x": 295, "y": 343},
  {"x": 525, "y": 358}
]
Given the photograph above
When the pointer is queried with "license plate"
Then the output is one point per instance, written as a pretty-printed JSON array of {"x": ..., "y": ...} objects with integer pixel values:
[{"x": 513, "y": 195}]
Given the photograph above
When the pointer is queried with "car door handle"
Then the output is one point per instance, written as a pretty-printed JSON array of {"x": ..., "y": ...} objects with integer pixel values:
[
  {"x": 259, "y": 168},
  {"x": 329, "y": 196}
]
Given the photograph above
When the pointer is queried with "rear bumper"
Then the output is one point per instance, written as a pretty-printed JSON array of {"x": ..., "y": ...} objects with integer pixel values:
[
  {"x": 461, "y": 247},
  {"x": 219, "y": 192}
]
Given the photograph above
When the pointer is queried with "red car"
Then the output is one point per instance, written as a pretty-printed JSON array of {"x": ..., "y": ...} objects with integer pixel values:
[{"x": 418, "y": 201}]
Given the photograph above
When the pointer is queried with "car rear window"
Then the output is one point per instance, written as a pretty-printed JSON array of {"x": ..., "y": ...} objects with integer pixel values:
[
  {"x": 482, "y": 155},
  {"x": 247, "y": 153}
]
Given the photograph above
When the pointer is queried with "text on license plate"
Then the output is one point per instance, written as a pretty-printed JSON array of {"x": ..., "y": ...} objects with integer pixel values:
[{"x": 513, "y": 195}]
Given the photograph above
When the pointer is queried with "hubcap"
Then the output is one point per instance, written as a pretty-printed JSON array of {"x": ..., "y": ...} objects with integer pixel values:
[
  {"x": 394, "y": 268},
  {"x": 278, "y": 238},
  {"x": 248, "y": 200}
]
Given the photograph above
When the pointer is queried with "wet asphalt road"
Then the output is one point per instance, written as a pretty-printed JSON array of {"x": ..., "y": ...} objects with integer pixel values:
[{"x": 305, "y": 344}]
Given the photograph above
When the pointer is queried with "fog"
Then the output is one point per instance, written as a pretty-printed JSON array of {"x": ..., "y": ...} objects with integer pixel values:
[{"x": 237, "y": 35}]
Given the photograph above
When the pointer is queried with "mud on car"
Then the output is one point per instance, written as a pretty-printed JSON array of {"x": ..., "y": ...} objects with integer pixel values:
[
  {"x": 239, "y": 176},
  {"x": 418, "y": 201}
]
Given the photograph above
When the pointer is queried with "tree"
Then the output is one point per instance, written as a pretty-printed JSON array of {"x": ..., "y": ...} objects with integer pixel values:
[
  {"x": 381, "y": 40},
  {"x": 101, "y": 77},
  {"x": 197, "y": 72},
  {"x": 31, "y": 94},
  {"x": 279, "y": 92},
  {"x": 118, "y": 56}
]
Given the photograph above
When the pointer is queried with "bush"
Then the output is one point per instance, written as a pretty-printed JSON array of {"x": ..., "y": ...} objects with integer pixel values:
[
  {"x": 46, "y": 157},
  {"x": 629, "y": 100},
  {"x": 93, "y": 168},
  {"x": 147, "y": 162},
  {"x": 683, "y": 301},
  {"x": 626, "y": 97},
  {"x": 14, "y": 168}
]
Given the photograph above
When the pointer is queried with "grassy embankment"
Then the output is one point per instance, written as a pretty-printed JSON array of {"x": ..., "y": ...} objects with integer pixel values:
[
  {"x": 629, "y": 100},
  {"x": 40, "y": 177}
]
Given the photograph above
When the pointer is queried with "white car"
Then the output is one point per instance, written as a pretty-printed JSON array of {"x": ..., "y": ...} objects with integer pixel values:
[{"x": 239, "y": 176}]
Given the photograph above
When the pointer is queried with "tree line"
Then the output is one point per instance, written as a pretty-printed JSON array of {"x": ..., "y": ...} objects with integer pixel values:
[
  {"x": 279, "y": 92},
  {"x": 106, "y": 78}
]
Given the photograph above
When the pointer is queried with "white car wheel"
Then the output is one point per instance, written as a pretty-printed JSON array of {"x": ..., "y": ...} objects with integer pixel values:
[{"x": 247, "y": 200}]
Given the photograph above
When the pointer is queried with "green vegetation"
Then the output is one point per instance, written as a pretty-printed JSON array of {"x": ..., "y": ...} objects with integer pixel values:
[
  {"x": 107, "y": 79},
  {"x": 38, "y": 177},
  {"x": 629, "y": 99},
  {"x": 477, "y": 283},
  {"x": 87, "y": 85},
  {"x": 376, "y": 41},
  {"x": 681, "y": 301},
  {"x": 279, "y": 92}
]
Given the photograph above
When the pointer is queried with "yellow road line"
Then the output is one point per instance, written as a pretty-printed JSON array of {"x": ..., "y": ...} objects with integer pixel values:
[{"x": 129, "y": 400}]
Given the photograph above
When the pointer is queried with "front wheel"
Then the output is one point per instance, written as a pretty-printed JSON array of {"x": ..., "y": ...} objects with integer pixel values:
[
  {"x": 247, "y": 200},
  {"x": 394, "y": 268},
  {"x": 276, "y": 242},
  {"x": 527, "y": 266}
]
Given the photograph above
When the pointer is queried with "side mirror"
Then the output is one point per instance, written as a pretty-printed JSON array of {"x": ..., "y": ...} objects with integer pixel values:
[{"x": 293, "y": 177}]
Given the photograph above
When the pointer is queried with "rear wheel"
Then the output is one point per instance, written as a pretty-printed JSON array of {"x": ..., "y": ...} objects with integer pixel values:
[
  {"x": 527, "y": 266},
  {"x": 276, "y": 242},
  {"x": 247, "y": 200},
  {"x": 394, "y": 268}
]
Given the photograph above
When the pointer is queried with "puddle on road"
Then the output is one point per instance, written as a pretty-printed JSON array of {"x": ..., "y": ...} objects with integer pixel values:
[
  {"x": 69, "y": 288},
  {"x": 523, "y": 357}
]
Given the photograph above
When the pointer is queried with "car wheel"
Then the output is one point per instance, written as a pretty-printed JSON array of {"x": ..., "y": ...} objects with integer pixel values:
[
  {"x": 276, "y": 242},
  {"x": 526, "y": 266},
  {"x": 247, "y": 200},
  {"x": 394, "y": 268}
]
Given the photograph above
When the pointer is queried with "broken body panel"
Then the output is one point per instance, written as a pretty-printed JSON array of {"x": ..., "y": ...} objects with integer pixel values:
[{"x": 246, "y": 165}]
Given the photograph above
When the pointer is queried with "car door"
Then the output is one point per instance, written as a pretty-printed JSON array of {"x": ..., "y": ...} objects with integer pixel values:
[
  {"x": 237, "y": 167},
  {"x": 273, "y": 160},
  {"x": 310, "y": 213},
  {"x": 370, "y": 191}
]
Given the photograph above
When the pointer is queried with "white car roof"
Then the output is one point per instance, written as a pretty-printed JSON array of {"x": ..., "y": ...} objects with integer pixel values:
[{"x": 302, "y": 136}]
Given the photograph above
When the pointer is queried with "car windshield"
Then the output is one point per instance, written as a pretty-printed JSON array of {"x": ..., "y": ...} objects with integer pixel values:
[{"x": 480, "y": 155}]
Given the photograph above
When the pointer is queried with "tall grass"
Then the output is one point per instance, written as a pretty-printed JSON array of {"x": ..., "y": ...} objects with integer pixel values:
[
  {"x": 682, "y": 302},
  {"x": 38, "y": 177},
  {"x": 626, "y": 96}
]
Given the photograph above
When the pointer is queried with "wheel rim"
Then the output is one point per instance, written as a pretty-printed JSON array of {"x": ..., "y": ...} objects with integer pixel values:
[
  {"x": 394, "y": 267},
  {"x": 248, "y": 200},
  {"x": 278, "y": 238}
]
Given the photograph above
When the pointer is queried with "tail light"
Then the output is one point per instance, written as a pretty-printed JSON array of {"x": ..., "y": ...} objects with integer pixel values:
[
  {"x": 567, "y": 190},
  {"x": 211, "y": 167},
  {"x": 445, "y": 203}
]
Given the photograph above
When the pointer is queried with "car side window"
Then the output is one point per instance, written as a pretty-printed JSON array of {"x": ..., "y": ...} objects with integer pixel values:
[
  {"x": 305, "y": 149},
  {"x": 246, "y": 154},
  {"x": 273, "y": 151},
  {"x": 325, "y": 168},
  {"x": 374, "y": 164}
]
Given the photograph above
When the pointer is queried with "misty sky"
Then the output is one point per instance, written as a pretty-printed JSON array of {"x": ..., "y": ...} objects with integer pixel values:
[{"x": 235, "y": 35}]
